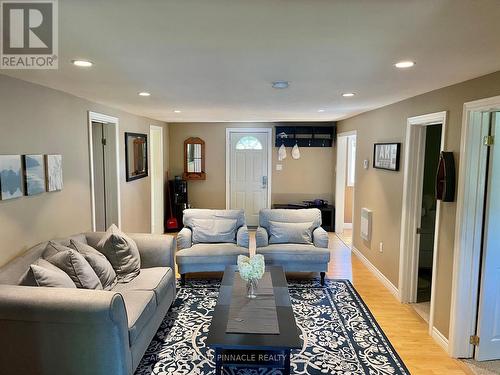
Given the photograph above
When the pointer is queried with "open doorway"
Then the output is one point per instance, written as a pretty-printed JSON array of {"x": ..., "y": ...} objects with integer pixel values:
[
  {"x": 344, "y": 185},
  {"x": 427, "y": 228},
  {"x": 104, "y": 171},
  {"x": 420, "y": 216}
]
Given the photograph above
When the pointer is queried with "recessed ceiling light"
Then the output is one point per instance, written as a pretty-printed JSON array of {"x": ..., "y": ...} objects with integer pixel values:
[
  {"x": 281, "y": 84},
  {"x": 144, "y": 93},
  {"x": 177, "y": 111},
  {"x": 404, "y": 64},
  {"x": 348, "y": 94},
  {"x": 82, "y": 63},
  {"x": 321, "y": 110}
]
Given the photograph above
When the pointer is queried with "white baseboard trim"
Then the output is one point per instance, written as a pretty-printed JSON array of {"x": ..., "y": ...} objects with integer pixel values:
[
  {"x": 440, "y": 339},
  {"x": 347, "y": 225},
  {"x": 390, "y": 286}
]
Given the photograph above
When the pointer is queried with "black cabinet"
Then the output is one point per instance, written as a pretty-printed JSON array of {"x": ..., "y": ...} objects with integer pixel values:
[{"x": 178, "y": 199}]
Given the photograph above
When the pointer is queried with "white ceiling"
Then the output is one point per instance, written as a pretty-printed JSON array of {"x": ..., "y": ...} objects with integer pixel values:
[{"x": 214, "y": 60}]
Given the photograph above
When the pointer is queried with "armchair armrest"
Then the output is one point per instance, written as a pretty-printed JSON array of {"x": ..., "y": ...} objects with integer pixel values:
[
  {"x": 320, "y": 237},
  {"x": 156, "y": 250},
  {"x": 185, "y": 238},
  {"x": 261, "y": 237},
  {"x": 63, "y": 331},
  {"x": 242, "y": 236}
]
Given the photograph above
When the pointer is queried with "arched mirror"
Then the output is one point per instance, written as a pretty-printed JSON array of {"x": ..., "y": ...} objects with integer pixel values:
[{"x": 194, "y": 159}]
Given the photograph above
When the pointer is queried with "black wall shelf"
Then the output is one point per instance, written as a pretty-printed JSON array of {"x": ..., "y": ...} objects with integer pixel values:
[{"x": 305, "y": 134}]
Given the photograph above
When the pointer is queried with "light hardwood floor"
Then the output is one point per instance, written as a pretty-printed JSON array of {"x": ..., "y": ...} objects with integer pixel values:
[{"x": 406, "y": 330}]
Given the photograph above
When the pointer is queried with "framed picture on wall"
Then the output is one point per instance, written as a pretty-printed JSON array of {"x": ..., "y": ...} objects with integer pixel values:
[
  {"x": 11, "y": 177},
  {"x": 386, "y": 156}
]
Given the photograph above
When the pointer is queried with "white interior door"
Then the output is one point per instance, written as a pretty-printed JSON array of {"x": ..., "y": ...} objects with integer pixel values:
[
  {"x": 248, "y": 173},
  {"x": 157, "y": 181},
  {"x": 489, "y": 301}
]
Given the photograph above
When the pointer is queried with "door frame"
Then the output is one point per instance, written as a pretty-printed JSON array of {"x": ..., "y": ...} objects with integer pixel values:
[
  {"x": 105, "y": 119},
  {"x": 269, "y": 132},
  {"x": 154, "y": 207},
  {"x": 412, "y": 207},
  {"x": 340, "y": 179},
  {"x": 469, "y": 228}
]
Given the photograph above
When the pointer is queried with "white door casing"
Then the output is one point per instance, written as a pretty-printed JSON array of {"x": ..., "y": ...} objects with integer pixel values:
[
  {"x": 340, "y": 180},
  {"x": 488, "y": 324},
  {"x": 414, "y": 151},
  {"x": 248, "y": 172},
  {"x": 115, "y": 180},
  {"x": 157, "y": 179},
  {"x": 469, "y": 225}
]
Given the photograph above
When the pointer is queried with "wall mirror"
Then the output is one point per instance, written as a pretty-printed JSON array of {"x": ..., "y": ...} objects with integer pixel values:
[
  {"x": 136, "y": 156},
  {"x": 194, "y": 159}
]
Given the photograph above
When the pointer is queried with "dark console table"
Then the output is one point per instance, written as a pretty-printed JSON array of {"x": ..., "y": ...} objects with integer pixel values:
[{"x": 327, "y": 213}]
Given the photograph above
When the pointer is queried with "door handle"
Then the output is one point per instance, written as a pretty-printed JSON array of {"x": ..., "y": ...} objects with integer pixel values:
[{"x": 264, "y": 182}]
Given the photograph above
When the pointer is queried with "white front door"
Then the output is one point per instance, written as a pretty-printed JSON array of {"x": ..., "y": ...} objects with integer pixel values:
[
  {"x": 488, "y": 328},
  {"x": 248, "y": 173}
]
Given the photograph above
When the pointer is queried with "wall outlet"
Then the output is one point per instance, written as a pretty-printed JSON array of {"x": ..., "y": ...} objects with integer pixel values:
[
  {"x": 381, "y": 247},
  {"x": 279, "y": 167}
]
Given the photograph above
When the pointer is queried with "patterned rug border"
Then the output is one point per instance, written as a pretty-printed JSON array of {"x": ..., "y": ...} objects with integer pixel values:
[{"x": 315, "y": 284}]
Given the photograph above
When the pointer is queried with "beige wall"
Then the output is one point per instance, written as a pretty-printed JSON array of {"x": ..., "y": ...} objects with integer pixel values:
[
  {"x": 39, "y": 120},
  {"x": 309, "y": 177},
  {"x": 382, "y": 191}
]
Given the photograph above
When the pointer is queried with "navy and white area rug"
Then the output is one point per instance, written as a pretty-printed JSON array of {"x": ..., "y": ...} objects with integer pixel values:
[{"x": 340, "y": 335}]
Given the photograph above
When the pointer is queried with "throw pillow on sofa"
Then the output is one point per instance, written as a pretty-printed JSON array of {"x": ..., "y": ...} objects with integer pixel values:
[
  {"x": 122, "y": 253},
  {"x": 280, "y": 232},
  {"x": 214, "y": 230},
  {"x": 99, "y": 263},
  {"x": 53, "y": 248},
  {"x": 43, "y": 273},
  {"x": 77, "y": 268}
]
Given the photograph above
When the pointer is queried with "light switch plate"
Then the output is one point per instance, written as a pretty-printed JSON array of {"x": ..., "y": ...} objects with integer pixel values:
[
  {"x": 366, "y": 163},
  {"x": 279, "y": 167}
]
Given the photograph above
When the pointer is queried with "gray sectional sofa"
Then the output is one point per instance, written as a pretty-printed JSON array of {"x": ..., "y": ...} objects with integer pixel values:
[
  {"x": 208, "y": 252},
  {"x": 80, "y": 331},
  {"x": 293, "y": 239}
]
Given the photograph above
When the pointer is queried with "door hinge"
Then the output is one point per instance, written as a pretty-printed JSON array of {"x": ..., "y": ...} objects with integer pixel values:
[
  {"x": 104, "y": 141},
  {"x": 474, "y": 340},
  {"x": 488, "y": 140}
]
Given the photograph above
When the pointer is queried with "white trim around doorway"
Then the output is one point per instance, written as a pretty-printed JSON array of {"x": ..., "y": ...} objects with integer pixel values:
[
  {"x": 340, "y": 178},
  {"x": 468, "y": 227},
  {"x": 105, "y": 119},
  {"x": 269, "y": 132},
  {"x": 156, "y": 206},
  {"x": 411, "y": 212}
]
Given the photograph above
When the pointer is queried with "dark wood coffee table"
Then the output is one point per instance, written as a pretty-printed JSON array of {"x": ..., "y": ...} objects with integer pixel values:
[{"x": 254, "y": 350}]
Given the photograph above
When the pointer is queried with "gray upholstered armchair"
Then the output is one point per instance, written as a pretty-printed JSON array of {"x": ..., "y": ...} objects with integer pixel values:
[
  {"x": 293, "y": 239},
  {"x": 210, "y": 240}
]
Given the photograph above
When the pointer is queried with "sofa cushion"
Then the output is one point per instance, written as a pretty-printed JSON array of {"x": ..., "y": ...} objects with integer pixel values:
[
  {"x": 300, "y": 233},
  {"x": 121, "y": 252},
  {"x": 200, "y": 213},
  {"x": 156, "y": 279},
  {"x": 214, "y": 230},
  {"x": 77, "y": 268},
  {"x": 43, "y": 273},
  {"x": 279, "y": 253},
  {"x": 224, "y": 253},
  {"x": 140, "y": 306},
  {"x": 303, "y": 215},
  {"x": 101, "y": 266}
]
